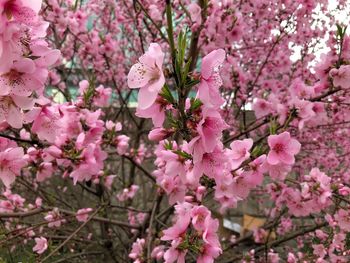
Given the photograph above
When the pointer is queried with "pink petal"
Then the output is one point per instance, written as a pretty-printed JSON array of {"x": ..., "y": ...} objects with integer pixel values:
[
  {"x": 287, "y": 158},
  {"x": 156, "y": 51},
  {"x": 35, "y": 5},
  {"x": 146, "y": 97},
  {"x": 212, "y": 60},
  {"x": 273, "y": 158},
  {"x": 14, "y": 117},
  {"x": 4, "y": 86},
  {"x": 158, "y": 85},
  {"x": 24, "y": 103},
  {"x": 25, "y": 65},
  {"x": 7, "y": 177},
  {"x": 138, "y": 76},
  {"x": 203, "y": 92},
  {"x": 294, "y": 146}
]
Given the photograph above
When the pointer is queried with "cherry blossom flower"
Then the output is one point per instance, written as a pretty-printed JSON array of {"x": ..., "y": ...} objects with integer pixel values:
[
  {"x": 21, "y": 11},
  {"x": 128, "y": 193},
  {"x": 341, "y": 76},
  {"x": 239, "y": 152},
  {"x": 137, "y": 250},
  {"x": 343, "y": 219},
  {"x": 282, "y": 149},
  {"x": 54, "y": 218},
  {"x": 11, "y": 162},
  {"x": 148, "y": 75},
  {"x": 210, "y": 129},
  {"x": 40, "y": 245},
  {"x": 83, "y": 214},
  {"x": 262, "y": 107},
  {"x": 159, "y": 134},
  {"x": 208, "y": 90}
]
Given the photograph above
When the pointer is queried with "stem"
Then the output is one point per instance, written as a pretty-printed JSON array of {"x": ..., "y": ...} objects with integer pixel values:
[
  {"x": 170, "y": 30},
  {"x": 72, "y": 235}
]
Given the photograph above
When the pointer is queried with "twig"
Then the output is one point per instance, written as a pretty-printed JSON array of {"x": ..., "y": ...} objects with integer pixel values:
[{"x": 72, "y": 235}]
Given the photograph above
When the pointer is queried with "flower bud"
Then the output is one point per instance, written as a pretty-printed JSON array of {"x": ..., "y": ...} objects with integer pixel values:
[{"x": 160, "y": 134}]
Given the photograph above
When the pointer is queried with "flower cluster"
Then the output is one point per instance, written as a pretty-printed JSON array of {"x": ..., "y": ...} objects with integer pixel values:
[{"x": 194, "y": 231}]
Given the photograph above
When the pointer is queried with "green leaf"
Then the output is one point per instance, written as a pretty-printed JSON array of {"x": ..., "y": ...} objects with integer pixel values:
[
  {"x": 191, "y": 83},
  {"x": 183, "y": 154},
  {"x": 195, "y": 104},
  {"x": 168, "y": 145},
  {"x": 166, "y": 94}
]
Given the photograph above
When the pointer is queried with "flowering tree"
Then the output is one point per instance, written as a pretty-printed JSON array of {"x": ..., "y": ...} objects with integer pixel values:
[{"x": 89, "y": 175}]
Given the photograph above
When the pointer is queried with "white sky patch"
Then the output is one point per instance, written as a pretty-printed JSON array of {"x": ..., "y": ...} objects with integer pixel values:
[{"x": 342, "y": 17}]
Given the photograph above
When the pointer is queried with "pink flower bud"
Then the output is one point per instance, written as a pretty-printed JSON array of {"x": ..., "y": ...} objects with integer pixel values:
[{"x": 160, "y": 134}]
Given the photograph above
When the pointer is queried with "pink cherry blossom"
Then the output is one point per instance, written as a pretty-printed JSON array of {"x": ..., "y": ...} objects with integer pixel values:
[
  {"x": 282, "y": 149},
  {"x": 128, "y": 193},
  {"x": 137, "y": 250},
  {"x": 341, "y": 76},
  {"x": 122, "y": 143},
  {"x": 54, "y": 218},
  {"x": 262, "y": 108},
  {"x": 158, "y": 252},
  {"x": 239, "y": 152},
  {"x": 148, "y": 75},
  {"x": 40, "y": 245},
  {"x": 45, "y": 171},
  {"x": 156, "y": 111},
  {"x": 343, "y": 219},
  {"x": 208, "y": 90},
  {"x": 11, "y": 162},
  {"x": 83, "y": 214},
  {"x": 210, "y": 129}
]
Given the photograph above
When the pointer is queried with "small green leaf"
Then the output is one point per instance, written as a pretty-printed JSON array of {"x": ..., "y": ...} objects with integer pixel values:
[
  {"x": 167, "y": 95},
  {"x": 191, "y": 83},
  {"x": 195, "y": 104},
  {"x": 183, "y": 154}
]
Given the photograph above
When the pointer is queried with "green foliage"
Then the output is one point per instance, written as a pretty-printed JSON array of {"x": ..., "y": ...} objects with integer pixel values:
[
  {"x": 195, "y": 104},
  {"x": 166, "y": 94},
  {"x": 183, "y": 154}
]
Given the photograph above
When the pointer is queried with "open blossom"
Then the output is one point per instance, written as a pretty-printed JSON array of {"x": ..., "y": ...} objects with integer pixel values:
[
  {"x": 137, "y": 250},
  {"x": 122, "y": 143},
  {"x": 20, "y": 80},
  {"x": 22, "y": 11},
  {"x": 210, "y": 129},
  {"x": 239, "y": 152},
  {"x": 343, "y": 219},
  {"x": 148, "y": 75},
  {"x": 208, "y": 90},
  {"x": 262, "y": 107},
  {"x": 204, "y": 227},
  {"x": 45, "y": 171},
  {"x": 83, "y": 214},
  {"x": 54, "y": 218},
  {"x": 128, "y": 193},
  {"x": 91, "y": 163},
  {"x": 11, "y": 162},
  {"x": 282, "y": 149},
  {"x": 212, "y": 164},
  {"x": 40, "y": 245},
  {"x": 10, "y": 109},
  {"x": 341, "y": 76},
  {"x": 102, "y": 96}
]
